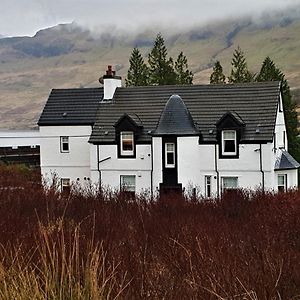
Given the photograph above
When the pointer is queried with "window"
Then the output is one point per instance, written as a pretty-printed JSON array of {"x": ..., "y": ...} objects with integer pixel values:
[
  {"x": 127, "y": 143},
  {"x": 229, "y": 183},
  {"x": 229, "y": 142},
  {"x": 282, "y": 183},
  {"x": 208, "y": 186},
  {"x": 64, "y": 144},
  {"x": 170, "y": 155},
  {"x": 65, "y": 185},
  {"x": 128, "y": 185}
]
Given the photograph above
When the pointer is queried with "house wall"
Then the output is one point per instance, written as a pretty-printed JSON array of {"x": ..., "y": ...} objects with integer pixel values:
[
  {"x": 111, "y": 167},
  {"x": 74, "y": 164}
]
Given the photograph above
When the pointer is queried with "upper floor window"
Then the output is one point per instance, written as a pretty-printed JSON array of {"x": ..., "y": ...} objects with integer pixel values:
[
  {"x": 64, "y": 144},
  {"x": 229, "y": 144},
  {"x": 170, "y": 155},
  {"x": 127, "y": 143}
]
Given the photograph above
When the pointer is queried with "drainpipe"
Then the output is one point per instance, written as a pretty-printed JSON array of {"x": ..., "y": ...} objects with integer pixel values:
[
  {"x": 151, "y": 177},
  {"x": 98, "y": 167},
  {"x": 261, "y": 168},
  {"x": 217, "y": 172}
]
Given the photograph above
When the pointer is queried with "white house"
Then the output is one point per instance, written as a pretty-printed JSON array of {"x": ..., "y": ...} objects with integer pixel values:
[{"x": 159, "y": 138}]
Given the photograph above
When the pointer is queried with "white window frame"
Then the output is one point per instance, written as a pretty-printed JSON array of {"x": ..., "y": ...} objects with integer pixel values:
[
  {"x": 167, "y": 165},
  {"x": 122, "y": 139},
  {"x": 126, "y": 187},
  {"x": 225, "y": 153},
  {"x": 65, "y": 184},
  {"x": 229, "y": 188},
  {"x": 208, "y": 186},
  {"x": 64, "y": 140},
  {"x": 284, "y": 185}
]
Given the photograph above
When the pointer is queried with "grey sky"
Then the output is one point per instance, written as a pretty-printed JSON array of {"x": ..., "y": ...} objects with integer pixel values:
[{"x": 25, "y": 17}]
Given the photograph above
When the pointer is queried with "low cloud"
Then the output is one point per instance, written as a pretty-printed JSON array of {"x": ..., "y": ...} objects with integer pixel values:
[{"x": 23, "y": 17}]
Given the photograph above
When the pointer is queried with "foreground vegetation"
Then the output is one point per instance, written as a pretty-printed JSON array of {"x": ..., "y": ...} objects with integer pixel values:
[{"x": 102, "y": 246}]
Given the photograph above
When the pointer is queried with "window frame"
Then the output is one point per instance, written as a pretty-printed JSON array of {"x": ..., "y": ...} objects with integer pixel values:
[
  {"x": 167, "y": 165},
  {"x": 129, "y": 193},
  {"x": 65, "y": 188},
  {"x": 282, "y": 187},
  {"x": 229, "y": 188},
  {"x": 62, "y": 143},
  {"x": 207, "y": 186},
  {"x": 127, "y": 153},
  {"x": 225, "y": 153}
]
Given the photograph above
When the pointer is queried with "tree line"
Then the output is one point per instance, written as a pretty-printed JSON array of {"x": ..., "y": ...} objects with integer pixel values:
[{"x": 162, "y": 70}]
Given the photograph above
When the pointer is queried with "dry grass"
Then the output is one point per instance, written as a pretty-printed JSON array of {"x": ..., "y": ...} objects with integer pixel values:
[{"x": 101, "y": 246}]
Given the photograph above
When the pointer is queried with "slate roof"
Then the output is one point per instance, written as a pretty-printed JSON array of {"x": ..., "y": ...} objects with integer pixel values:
[
  {"x": 71, "y": 107},
  {"x": 254, "y": 103},
  {"x": 285, "y": 161},
  {"x": 176, "y": 119}
]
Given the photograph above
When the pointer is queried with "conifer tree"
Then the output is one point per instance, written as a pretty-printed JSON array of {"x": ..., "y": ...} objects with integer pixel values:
[
  {"x": 269, "y": 72},
  {"x": 161, "y": 69},
  {"x": 183, "y": 74},
  {"x": 217, "y": 76},
  {"x": 239, "y": 71},
  {"x": 137, "y": 74}
]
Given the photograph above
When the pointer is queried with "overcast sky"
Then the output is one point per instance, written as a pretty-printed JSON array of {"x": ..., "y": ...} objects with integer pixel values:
[{"x": 25, "y": 17}]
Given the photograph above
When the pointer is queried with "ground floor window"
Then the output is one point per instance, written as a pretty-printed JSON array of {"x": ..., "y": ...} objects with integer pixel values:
[
  {"x": 128, "y": 184},
  {"x": 229, "y": 183},
  {"x": 282, "y": 182},
  {"x": 208, "y": 186},
  {"x": 65, "y": 185}
]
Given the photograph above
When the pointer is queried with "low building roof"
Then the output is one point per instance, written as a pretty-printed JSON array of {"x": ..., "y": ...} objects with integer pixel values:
[
  {"x": 254, "y": 103},
  {"x": 71, "y": 107},
  {"x": 285, "y": 161}
]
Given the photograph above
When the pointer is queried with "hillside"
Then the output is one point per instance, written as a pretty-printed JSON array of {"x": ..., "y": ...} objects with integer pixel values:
[{"x": 69, "y": 56}]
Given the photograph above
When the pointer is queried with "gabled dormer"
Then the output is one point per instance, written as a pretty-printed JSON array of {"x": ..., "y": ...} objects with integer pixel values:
[
  {"x": 230, "y": 129},
  {"x": 127, "y": 131}
]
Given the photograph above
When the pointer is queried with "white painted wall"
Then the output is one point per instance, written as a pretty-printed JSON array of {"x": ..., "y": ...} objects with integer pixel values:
[
  {"x": 15, "y": 138},
  {"x": 111, "y": 167},
  {"x": 110, "y": 85},
  {"x": 74, "y": 164}
]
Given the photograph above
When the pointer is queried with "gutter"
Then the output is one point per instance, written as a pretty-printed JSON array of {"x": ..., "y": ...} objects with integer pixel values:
[
  {"x": 151, "y": 177},
  {"x": 261, "y": 169},
  {"x": 98, "y": 167},
  {"x": 217, "y": 172}
]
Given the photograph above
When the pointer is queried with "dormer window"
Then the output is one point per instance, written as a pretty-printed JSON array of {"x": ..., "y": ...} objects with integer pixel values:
[
  {"x": 229, "y": 144},
  {"x": 127, "y": 143}
]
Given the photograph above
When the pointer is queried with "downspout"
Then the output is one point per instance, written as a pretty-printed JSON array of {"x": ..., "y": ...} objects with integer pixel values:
[
  {"x": 151, "y": 177},
  {"x": 261, "y": 169},
  {"x": 217, "y": 172},
  {"x": 98, "y": 167}
]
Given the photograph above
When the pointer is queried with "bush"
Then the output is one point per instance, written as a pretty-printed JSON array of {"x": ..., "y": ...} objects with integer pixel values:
[{"x": 102, "y": 245}]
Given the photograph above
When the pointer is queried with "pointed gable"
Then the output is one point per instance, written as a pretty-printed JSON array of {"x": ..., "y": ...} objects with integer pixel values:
[
  {"x": 285, "y": 162},
  {"x": 176, "y": 119}
]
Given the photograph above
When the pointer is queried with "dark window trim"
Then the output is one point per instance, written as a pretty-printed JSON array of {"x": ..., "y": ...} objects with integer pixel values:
[{"x": 119, "y": 152}]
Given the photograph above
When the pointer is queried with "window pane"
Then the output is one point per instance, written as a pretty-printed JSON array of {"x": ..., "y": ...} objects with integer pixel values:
[
  {"x": 128, "y": 182},
  {"x": 230, "y": 182},
  {"x": 127, "y": 145},
  {"x": 170, "y": 158},
  {"x": 281, "y": 180},
  {"x": 127, "y": 136},
  {"x": 229, "y": 146},
  {"x": 170, "y": 147},
  {"x": 229, "y": 135}
]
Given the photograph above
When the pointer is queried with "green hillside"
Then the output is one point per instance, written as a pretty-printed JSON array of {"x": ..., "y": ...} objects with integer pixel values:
[{"x": 68, "y": 56}]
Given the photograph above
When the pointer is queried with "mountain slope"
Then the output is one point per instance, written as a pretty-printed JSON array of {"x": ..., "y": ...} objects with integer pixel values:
[{"x": 69, "y": 56}]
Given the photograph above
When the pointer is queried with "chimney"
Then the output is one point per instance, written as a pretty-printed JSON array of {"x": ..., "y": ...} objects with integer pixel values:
[{"x": 111, "y": 82}]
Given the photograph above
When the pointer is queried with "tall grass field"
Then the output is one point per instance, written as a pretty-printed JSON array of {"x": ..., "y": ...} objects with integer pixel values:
[{"x": 101, "y": 245}]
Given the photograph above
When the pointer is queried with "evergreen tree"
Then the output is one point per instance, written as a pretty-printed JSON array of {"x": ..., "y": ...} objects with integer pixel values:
[
  {"x": 217, "y": 76},
  {"x": 161, "y": 70},
  {"x": 137, "y": 74},
  {"x": 183, "y": 74},
  {"x": 239, "y": 72},
  {"x": 269, "y": 72}
]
